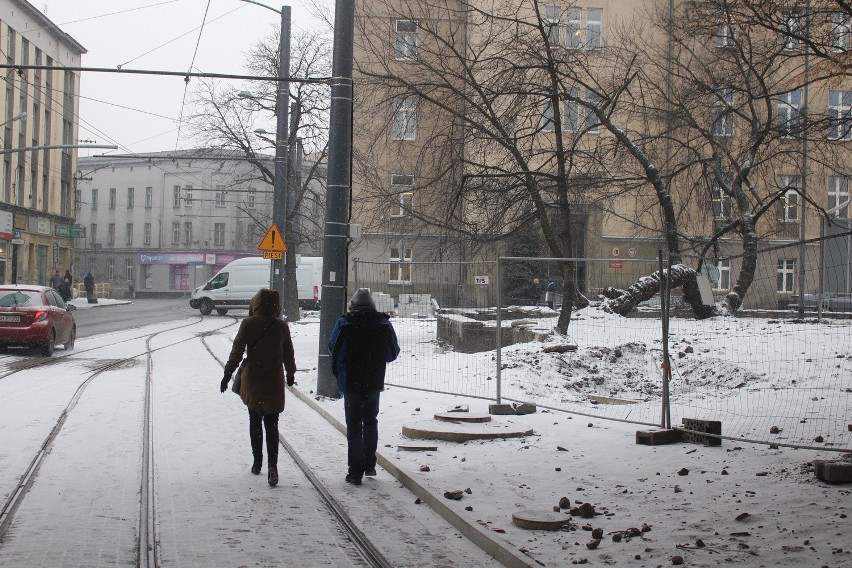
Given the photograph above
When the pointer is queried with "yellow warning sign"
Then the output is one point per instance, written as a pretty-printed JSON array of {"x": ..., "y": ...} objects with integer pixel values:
[
  {"x": 273, "y": 255},
  {"x": 273, "y": 241}
]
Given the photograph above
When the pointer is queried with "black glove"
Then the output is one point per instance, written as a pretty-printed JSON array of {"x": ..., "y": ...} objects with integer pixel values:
[
  {"x": 223, "y": 386},
  {"x": 291, "y": 380}
]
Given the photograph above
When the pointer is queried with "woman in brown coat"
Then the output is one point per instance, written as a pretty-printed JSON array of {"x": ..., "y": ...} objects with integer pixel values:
[{"x": 265, "y": 338}]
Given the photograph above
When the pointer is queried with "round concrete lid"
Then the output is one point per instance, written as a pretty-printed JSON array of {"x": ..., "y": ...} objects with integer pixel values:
[
  {"x": 459, "y": 432},
  {"x": 462, "y": 417},
  {"x": 540, "y": 520}
]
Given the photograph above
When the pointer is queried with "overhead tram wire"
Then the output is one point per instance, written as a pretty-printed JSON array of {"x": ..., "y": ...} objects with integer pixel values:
[
  {"x": 174, "y": 39},
  {"x": 186, "y": 80},
  {"x": 182, "y": 74},
  {"x": 95, "y": 130}
]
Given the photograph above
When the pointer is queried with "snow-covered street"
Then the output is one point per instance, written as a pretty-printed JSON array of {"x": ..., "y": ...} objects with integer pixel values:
[{"x": 738, "y": 504}]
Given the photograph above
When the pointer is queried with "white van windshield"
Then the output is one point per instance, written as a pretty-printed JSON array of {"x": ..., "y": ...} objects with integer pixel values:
[{"x": 219, "y": 281}]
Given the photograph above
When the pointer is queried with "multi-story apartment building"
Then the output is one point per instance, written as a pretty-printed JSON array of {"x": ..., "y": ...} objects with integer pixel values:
[
  {"x": 167, "y": 221},
  {"x": 38, "y": 109},
  {"x": 632, "y": 125}
]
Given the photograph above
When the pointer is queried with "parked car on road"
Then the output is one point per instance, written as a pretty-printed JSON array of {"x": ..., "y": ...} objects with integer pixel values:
[{"x": 35, "y": 316}]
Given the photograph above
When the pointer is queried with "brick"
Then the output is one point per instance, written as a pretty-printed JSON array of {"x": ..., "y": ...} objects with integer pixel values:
[
  {"x": 525, "y": 408},
  {"x": 702, "y": 427},
  {"x": 500, "y": 409},
  {"x": 833, "y": 471},
  {"x": 658, "y": 437}
]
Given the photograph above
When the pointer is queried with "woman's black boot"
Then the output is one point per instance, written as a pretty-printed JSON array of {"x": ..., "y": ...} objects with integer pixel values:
[
  {"x": 273, "y": 475},
  {"x": 258, "y": 463}
]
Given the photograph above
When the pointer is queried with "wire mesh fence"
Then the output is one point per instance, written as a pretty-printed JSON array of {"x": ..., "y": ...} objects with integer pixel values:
[{"x": 766, "y": 373}]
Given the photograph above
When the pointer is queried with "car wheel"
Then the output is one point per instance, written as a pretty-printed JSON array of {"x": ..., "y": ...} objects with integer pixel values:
[
  {"x": 69, "y": 345},
  {"x": 47, "y": 348},
  {"x": 221, "y": 311},
  {"x": 4, "y": 348},
  {"x": 205, "y": 306}
]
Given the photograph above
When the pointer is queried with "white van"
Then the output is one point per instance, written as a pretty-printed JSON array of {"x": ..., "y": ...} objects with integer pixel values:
[{"x": 235, "y": 285}]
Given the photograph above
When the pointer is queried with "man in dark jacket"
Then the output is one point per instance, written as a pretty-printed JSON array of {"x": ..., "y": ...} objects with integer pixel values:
[{"x": 361, "y": 345}]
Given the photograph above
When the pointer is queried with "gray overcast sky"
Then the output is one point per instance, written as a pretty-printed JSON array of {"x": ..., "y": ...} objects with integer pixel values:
[{"x": 132, "y": 33}]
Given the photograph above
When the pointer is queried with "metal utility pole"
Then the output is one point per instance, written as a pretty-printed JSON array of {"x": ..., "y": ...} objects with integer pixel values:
[
  {"x": 338, "y": 191},
  {"x": 282, "y": 107}
]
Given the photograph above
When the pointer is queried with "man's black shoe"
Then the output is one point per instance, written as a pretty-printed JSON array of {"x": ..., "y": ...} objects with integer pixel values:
[
  {"x": 370, "y": 472},
  {"x": 353, "y": 479}
]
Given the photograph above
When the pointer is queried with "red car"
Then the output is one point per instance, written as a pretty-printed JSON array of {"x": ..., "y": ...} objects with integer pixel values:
[{"x": 35, "y": 316}]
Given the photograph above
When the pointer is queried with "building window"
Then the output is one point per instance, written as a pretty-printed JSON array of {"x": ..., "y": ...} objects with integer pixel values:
[
  {"x": 571, "y": 119},
  {"x": 176, "y": 202},
  {"x": 112, "y": 198},
  {"x": 405, "y": 44},
  {"x": 220, "y": 196},
  {"x": 788, "y": 205},
  {"x": 547, "y": 117},
  {"x": 402, "y": 186},
  {"x": 838, "y": 197},
  {"x": 187, "y": 233},
  {"x": 149, "y": 197},
  {"x": 78, "y": 197},
  {"x": 128, "y": 269},
  {"x": 110, "y": 269},
  {"x": 93, "y": 233},
  {"x": 130, "y": 197},
  {"x": 724, "y": 36},
  {"x": 175, "y": 233},
  {"x": 723, "y": 267},
  {"x": 594, "y": 23},
  {"x": 147, "y": 236},
  {"x": 128, "y": 234},
  {"x": 786, "y": 272},
  {"x": 573, "y": 29},
  {"x": 187, "y": 198},
  {"x": 552, "y": 15},
  {"x": 400, "y": 265},
  {"x": 404, "y": 118},
  {"x": 250, "y": 198},
  {"x": 721, "y": 203},
  {"x": 841, "y": 31},
  {"x": 94, "y": 203},
  {"x": 219, "y": 234},
  {"x": 792, "y": 30},
  {"x": 723, "y": 116},
  {"x": 840, "y": 115},
  {"x": 789, "y": 111},
  {"x": 111, "y": 234},
  {"x": 594, "y": 100}
]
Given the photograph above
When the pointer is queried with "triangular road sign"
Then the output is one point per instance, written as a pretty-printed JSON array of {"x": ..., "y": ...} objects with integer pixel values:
[{"x": 273, "y": 241}]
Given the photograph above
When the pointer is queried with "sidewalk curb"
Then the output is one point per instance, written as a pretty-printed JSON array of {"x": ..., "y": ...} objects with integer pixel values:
[{"x": 498, "y": 550}]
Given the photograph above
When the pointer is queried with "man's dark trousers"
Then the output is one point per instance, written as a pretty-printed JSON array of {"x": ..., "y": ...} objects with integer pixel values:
[{"x": 362, "y": 430}]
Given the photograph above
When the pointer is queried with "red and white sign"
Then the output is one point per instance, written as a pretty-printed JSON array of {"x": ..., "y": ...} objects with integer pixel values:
[
  {"x": 616, "y": 264},
  {"x": 6, "y": 226}
]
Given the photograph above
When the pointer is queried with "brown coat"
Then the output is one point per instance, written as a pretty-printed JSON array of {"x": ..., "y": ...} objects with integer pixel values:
[{"x": 262, "y": 387}]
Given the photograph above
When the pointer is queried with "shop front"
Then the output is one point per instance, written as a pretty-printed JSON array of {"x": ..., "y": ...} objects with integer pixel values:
[{"x": 177, "y": 273}]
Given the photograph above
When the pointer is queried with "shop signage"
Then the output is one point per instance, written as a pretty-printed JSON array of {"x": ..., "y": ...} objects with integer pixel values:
[
  {"x": 78, "y": 231},
  {"x": 171, "y": 258},
  {"x": 6, "y": 228}
]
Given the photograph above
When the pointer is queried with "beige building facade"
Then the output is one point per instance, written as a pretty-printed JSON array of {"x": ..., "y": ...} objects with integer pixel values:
[
  {"x": 39, "y": 108},
  {"x": 723, "y": 129}
]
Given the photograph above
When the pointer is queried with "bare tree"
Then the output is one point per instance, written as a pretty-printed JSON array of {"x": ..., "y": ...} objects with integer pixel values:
[
  {"x": 510, "y": 101},
  {"x": 228, "y": 117}
]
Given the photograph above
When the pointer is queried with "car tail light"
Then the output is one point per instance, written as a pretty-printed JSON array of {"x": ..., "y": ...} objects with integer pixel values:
[
  {"x": 316, "y": 292},
  {"x": 40, "y": 315}
]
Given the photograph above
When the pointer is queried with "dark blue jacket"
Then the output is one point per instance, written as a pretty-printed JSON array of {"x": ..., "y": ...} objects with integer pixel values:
[{"x": 361, "y": 345}]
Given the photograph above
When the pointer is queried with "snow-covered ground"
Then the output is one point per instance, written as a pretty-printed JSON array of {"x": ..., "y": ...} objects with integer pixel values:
[{"x": 738, "y": 504}]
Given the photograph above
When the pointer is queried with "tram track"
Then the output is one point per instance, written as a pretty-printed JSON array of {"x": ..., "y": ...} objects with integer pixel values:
[
  {"x": 366, "y": 550},
  {"x": 25, "y": 482}
]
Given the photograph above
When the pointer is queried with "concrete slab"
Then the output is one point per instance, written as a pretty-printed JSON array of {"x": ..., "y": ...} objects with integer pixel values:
[
  {"x": 462, "y": 417},
  {"x": 458, "y": 432}
]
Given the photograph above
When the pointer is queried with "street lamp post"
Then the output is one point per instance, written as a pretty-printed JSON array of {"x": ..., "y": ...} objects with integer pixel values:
[{"x": 279, "y": 271}]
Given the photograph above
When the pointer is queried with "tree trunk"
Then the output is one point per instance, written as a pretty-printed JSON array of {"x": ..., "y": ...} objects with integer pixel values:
[{"x": 622, "y": 302}]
